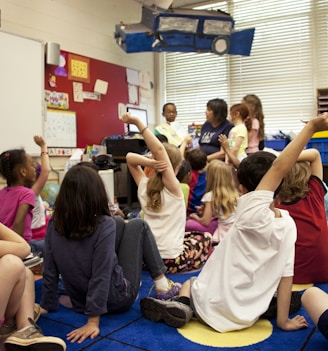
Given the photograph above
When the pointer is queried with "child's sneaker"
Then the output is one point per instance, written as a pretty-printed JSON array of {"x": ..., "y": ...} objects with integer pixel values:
[
  {"x": 32, "y": 260},
  {"x": 31, "y": 338},
  {"x": 172, "y": 291},
  {"x": 173, "y": 313},
  {"x": 6, "y": 330}
]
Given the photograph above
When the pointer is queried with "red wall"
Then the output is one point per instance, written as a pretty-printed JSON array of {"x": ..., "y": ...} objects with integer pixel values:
[{"x": 94, "y": 119}]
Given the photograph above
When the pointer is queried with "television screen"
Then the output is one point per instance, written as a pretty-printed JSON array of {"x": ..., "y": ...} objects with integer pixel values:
[{"x": 137, "y": 112}]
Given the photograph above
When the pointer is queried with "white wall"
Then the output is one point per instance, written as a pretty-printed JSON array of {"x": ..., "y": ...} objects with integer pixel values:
[{"x": 83, "y": 27}]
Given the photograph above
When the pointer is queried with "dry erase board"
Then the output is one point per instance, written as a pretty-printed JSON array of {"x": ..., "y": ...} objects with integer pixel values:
[
  {"x": 21, "y": 92},
  {"x": 60, "y": 128}
]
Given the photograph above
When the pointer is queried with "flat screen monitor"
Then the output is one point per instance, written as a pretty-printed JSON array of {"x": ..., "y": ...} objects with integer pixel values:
[{"x": 137, "y": 112}]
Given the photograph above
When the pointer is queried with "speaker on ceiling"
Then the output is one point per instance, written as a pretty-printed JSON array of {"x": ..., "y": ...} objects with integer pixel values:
[{"x": 52, "y": 53}]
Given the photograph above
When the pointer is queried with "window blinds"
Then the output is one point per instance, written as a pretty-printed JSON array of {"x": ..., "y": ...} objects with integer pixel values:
[{"x": 288, "y": 62}]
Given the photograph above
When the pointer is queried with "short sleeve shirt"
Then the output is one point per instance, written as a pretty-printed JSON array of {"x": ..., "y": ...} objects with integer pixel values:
[
  {"x": 11, "y": 198},
  {"x": 241, "y": 276}
]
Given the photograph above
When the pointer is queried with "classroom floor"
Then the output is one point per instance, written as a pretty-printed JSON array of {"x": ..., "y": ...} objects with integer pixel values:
[{"x": 130, "y": 331}]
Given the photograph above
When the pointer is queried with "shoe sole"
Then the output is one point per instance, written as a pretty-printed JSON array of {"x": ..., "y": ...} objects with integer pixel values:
[
  {"x": 46, "y": 343},
  {"x": 157, "y": 310}
]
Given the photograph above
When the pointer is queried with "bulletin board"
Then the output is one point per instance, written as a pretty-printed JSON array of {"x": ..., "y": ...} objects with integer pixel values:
[
  {"x": 21, "y": 91},
  {"x": 60, "y": 128},
  {"x": 95, "y": 119}
]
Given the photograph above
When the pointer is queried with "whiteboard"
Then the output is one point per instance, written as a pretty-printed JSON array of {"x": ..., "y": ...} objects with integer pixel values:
[
  {"x": 60, "y": 128},
  {"x": 21, "y": 90}
]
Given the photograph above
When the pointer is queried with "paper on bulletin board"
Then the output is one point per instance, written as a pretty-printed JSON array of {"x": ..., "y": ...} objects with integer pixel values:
[
  {"x": 60, "y": 128},
  {"x": 144, "y": 79},
  {"x": 78, "y": 92},
  {"x": 121, "y": 110},
  {"x": 101, "y": 87},
  {"x": 133, "y": 94},
  {"x": 132, "y": 76}
]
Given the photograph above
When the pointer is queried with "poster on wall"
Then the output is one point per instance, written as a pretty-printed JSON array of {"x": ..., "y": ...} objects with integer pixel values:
[
  {"x": 55, "y": 99},
  {"x": 78, "y": 68},
  {"x": 60, "y": 128}
]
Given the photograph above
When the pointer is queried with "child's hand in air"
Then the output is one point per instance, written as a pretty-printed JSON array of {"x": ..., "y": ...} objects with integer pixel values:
[
  {"x": 38, "y": 139},
  {"x": 127, "y": 118},
  {"x": 320, "y": 123},
  {"x": 159, "y": 166}
]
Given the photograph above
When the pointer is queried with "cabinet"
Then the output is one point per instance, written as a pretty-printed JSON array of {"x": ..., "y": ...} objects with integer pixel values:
[{"x": 322, "y": 100}]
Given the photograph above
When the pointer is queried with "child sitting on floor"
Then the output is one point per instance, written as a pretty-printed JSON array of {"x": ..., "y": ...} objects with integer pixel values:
[
  {"x": 18, "y": 197},
  {"x": 198, "y": 161},
  {"x": 302, "y": 195},
  {"x": 254, "y": 260},
  {"x": 18, "y": 312},
  {"x": 220, "y": 201},
  {"x": 98, "y": 257},
  {"x": 163, "y": 204}
]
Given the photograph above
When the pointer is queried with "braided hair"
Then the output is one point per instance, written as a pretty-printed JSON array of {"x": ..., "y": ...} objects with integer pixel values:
[{"x": 9, "y": 162}]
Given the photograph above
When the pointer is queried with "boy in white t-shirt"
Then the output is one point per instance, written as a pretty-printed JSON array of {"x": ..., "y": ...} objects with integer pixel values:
[{"x": 254, "y": 260}]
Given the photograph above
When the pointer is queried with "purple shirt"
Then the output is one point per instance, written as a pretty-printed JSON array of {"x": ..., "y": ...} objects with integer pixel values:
[{"x": 11, "y": 198}]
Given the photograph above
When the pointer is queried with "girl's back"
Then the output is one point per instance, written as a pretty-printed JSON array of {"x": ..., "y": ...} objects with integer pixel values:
[
  {"x": 223, "y": 194},
  {"x": 168, "y": 224}
]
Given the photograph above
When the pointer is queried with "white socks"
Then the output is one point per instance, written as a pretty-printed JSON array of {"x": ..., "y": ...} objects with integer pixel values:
[{"x": 161, "y": 284}]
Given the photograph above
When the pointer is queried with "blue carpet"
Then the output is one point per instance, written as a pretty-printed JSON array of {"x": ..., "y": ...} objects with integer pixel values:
[{"x": 130, "y": 331}]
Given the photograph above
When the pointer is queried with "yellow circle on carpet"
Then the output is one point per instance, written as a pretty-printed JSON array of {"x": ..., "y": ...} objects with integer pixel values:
[
  {"x": 300, "y": 287},
  {"x": 204, "y": 335}
]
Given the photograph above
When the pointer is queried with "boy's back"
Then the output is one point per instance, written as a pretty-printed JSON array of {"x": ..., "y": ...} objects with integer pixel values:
[{"x": 237, "y": 283}]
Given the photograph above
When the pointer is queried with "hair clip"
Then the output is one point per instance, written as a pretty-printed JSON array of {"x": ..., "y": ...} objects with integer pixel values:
[{"x": 7, "y": 155}]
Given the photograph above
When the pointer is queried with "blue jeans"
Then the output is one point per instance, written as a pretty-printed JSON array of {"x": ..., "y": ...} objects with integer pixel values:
[{"x": 37, "y": 246}]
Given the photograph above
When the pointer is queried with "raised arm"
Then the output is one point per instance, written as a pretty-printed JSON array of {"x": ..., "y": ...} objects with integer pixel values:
[
  {"x": 313, "y": 157},
  {"x": 290, "y": 154},
  {"x": 186, "y": 141},
  {"x": 160, "y": 161},
  {"x": 45, "y": 165}
]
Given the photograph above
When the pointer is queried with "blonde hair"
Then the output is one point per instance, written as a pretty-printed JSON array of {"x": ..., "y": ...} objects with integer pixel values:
[
  {"x": 155, "y": 184},
  {"x": 220, "y": 181},
  {"x": 295, "y": 184}
]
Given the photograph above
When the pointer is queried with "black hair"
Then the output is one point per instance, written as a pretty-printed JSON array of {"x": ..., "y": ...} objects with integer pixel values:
[
  {"x": 89, "y": 164},
  {"x": 184, "y": 169},
  {"x": 219, "y": 108},
  {"x": 81, "y": 203},
  {"x": 252, "y": 168},
  {"x": 9, "y": 160},
  {"x": 168, "y": 103},
  {"x": 197, "y": 158}
]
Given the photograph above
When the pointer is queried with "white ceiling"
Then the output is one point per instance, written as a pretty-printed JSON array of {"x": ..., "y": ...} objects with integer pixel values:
[{"x": 179, "y": 3}]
